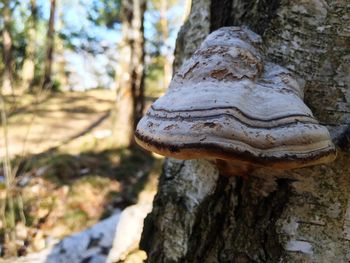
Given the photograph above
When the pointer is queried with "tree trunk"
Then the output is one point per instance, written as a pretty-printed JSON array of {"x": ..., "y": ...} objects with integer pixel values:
[
  {"x": 7, "y": 81},
  {"x": 130, "y": 72},
  {"x": 296, "y": 216},
  {"x": 29, "y": 63},
  {"x": 50, "y": 42},
  {"x": 60, "y": 65},
  {"x": 163, "y": 20}
]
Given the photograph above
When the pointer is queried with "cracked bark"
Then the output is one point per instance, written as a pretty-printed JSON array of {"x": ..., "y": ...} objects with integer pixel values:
[{"x": 296, "y": 216}]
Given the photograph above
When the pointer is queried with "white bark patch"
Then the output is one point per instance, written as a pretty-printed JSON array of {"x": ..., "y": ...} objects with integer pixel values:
[
  {"x": 194, "y": 182},
  {"x": 291, "y": 227},
  {"x": 202, "y": 175},
  {"x": 299, "y": 246},
  {"x": 334, "y": 210}
]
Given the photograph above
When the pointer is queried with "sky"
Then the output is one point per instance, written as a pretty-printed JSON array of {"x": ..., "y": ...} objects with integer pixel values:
[{"x": 91, "y": 71}]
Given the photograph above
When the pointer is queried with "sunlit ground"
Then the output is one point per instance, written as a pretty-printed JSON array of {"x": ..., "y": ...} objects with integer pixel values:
[
  {"x": 70, "y": 173},
  {"x": 37, "y": 123}
]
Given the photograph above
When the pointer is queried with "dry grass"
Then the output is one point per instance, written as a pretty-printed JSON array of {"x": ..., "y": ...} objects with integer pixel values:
[
  {"x": 54, "y": 119},
  {"x": 71, "y": 175}
]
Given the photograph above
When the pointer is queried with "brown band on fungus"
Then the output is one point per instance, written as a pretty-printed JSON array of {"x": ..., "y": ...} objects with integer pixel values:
[{"x": 213, "y": 151}]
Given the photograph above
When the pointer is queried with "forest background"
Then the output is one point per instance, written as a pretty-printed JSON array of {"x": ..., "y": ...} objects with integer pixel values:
[{"x": 75, "y": 78}]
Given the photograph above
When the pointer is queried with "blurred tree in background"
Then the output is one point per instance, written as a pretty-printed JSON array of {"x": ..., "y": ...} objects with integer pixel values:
[
  {"x": 130, "y": 71},
  {"x": 28, "y": 71},
  {"x": 50, "y": 38},
  {"x": 6, "y": 14},
  {"x": 164, "y": 24}
]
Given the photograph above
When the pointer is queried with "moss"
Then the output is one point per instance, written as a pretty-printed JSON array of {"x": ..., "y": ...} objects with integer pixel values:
[
  {"x": 75, "y": 219},
  {"x": 95, "y": 181}
]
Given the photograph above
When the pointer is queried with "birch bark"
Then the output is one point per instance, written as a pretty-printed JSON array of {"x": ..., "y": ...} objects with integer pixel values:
[{"x": 298, "y": 216}]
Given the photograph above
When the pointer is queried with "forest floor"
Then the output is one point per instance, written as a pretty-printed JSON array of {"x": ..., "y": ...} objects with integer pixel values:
[{"x": 69, "y": 173}]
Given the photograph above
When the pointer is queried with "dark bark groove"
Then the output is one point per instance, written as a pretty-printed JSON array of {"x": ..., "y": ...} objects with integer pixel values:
[
  {"x": 344, "y": 140},
  {"x": 220, "y": 14},
  {"x": 255, "y": 14}
]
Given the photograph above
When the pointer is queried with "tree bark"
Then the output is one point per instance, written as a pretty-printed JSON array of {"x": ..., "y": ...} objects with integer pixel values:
[
  {"x": 270, "y": 216},
  {"x": 50, "y": 42},
  {"x": 130, "y": 72},
  {"x": 7, "y": 80},
  {"x": 164, "y": 26},
  {"x": 29, "y": 63},
  {"x": 60, "y": 65}
]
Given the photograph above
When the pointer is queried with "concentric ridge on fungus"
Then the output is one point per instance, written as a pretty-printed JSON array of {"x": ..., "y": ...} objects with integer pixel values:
[{"x": 228, "y": 103}]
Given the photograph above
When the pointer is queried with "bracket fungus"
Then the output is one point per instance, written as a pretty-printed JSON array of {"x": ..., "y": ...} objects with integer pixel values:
[{"x": 229, "y": 103}]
